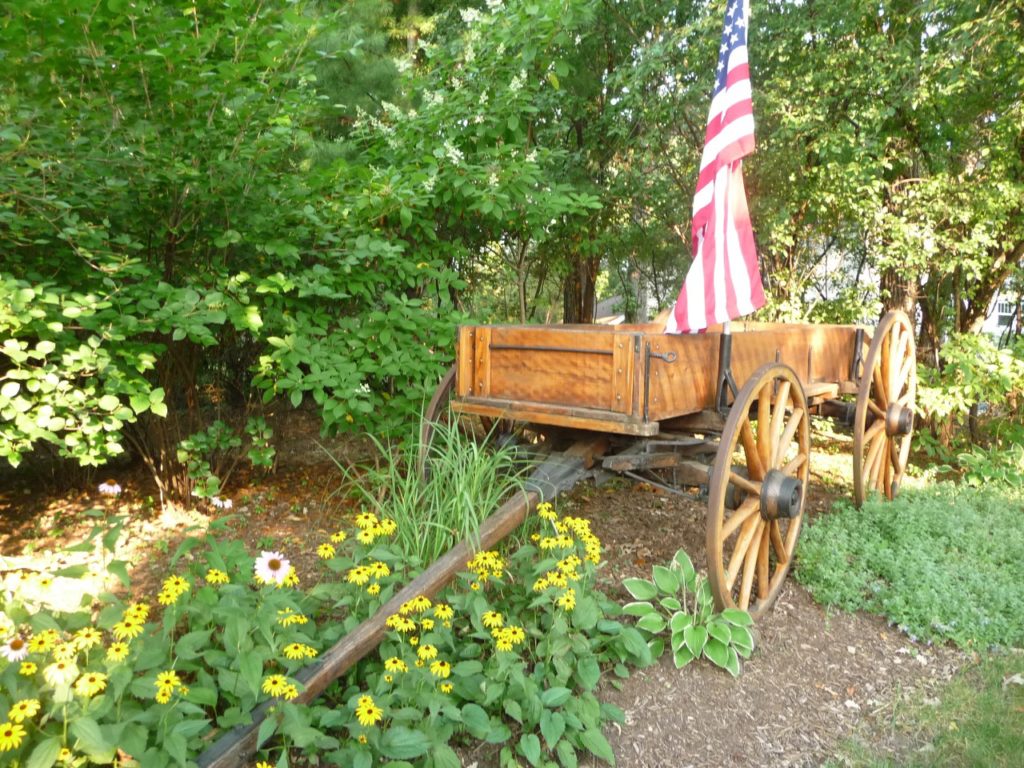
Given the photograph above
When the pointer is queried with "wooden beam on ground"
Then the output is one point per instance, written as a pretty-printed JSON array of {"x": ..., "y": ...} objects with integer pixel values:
[{"x": 559, "y": 473}]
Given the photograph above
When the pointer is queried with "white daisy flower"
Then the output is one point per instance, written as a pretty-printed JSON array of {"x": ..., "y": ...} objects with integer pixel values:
[
  {"x": 272, "y": 567},
  {"x": 220, "y": 503},
  {"x": 14, "y": 649},
  {"x": 110, "y": 488},
  {"x": 61, "y": 673}
]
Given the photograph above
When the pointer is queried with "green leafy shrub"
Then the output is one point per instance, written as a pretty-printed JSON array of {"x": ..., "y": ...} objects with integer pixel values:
[
  {"x": 943, "y": 563},
  {"x": 679, "y": 601}
]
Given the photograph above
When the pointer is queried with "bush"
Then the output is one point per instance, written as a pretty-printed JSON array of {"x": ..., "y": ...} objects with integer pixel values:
[{"x": 944, "y": 563}]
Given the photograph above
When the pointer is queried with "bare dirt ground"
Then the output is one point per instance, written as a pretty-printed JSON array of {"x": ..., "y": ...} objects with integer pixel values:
[{"x": 815, "y": 680}]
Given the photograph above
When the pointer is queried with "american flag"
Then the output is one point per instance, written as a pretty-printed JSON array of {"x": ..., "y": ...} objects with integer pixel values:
[{"x": 724, "y": 281}]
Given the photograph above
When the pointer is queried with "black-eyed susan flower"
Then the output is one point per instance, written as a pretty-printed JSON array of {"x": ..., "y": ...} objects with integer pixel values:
[
  {"x": 400, "y": 623},
  {"x": 23, "y": 709},
  {"x": 418, "y": 604},
  {"x": 366, "y": 536},
  {"x": 358, "y": 575},
  {"x": 299, "y": 651},
  {"x": 441, "y": 669},
  {"x": 387, "y": 527},
  {"x": 325, "y": 551},
  {"x": 367, "y": 712},
  {"x": 414, "y": 640},
  {"x": 427, "y": 624},
  {"x": 163, "y": 695},
  {"x": 65, "y": 755},
  {"x": 88, "y": 637},
  {"x": 567, "y": 600},
  {"x": 338, "y": 537},
  {"x": 443, "y": 611},
  {"x": 362, "y": 738},
  {"x": 427, "y": 652},
  {"x": 445, "y": 687},
  {"x": 379, "y": 570},
  {"x": 11, "y": 736},
  {"x": 263, "y": 764},
  {"x": 291, "y": 692},
  {"x": 14, "y": 649},
  {"x": 167, "y": 679},
  {"x": 291, "y": 579},
  {"x": 217, "y": 576},
  {"x": 28, "y": 668},
  {"x": 287, "y": 617},
  {"x": 271, "y": 568},
  {"x": 117, "y": 651},
  {"x": 275, "y": 685},
  {"x": 492, "y": 619},
  {"x": 365, "y": 520},
  {"x": 546, "y": 511},
  {"x": 127, "y": 628},
  {"x": 43, "y": 641},
  {"x": 137, "y": 612},
  {"x": 90, "y": 684},
  {"x": 395, "y": 664},
  {"x": 373, "y": 589}
]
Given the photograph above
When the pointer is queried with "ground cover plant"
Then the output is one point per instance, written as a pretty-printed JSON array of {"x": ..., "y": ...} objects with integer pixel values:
[{"x": 944, "y": 562}]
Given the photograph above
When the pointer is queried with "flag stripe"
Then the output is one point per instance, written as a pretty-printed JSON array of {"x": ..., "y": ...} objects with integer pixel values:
[{"x": 723, "y": 281}]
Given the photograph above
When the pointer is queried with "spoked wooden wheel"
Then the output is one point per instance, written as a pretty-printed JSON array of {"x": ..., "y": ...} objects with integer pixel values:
[
  {"x": 761, "y": 469},
  {"x": 884, "y": 418},
  {"x": 436, "y": 411}
]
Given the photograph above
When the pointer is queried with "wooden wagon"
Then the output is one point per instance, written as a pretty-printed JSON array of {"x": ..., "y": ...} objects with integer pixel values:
[{"x": 726, "y": 412}]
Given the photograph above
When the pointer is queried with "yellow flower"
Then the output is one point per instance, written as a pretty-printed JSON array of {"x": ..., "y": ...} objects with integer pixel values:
[
  {"x": 441, "y": 669},
  {"x": 379, "y": 570},
  {"x": 216, "y": 576},
  {"x": 87, "y": 637},
  {"x": 291, "y": 579},
  {"x": 163, "y": 695},
  {"x": 492, "y": 619},
  {"x": 413, "y": 641},
  {"x": 65, "y": 652},
  {"x": 90, "y": 684},
  {"x": 175, "y": 585},
  {"x": 287, "y": 617},
  {"x": 27, "y": 668},
  {"x": 427, "y": 624},
  {"x": 387, "y": 527},
  {"x": 548, "y": 542},
  {"x": 358, "y": 575},
  {"x": 446, "y": 687},
  {"x": 540, "y": 585},
  {"x": 515, "y": 634},
  {"x": 127, "y": 628},
  {"x": 503, "y": 644},
  {"x": 275, "y": 685},
  {"x": 298, "y": 651},
  {"x": 373, "y": 589},
  {"x": 535, "y": 537},
  {"x": 65, "y": 755},
  {"x": 546, "y": 511},
  {"x": 420, "y": 663},
  {"x": 11, "y": 736},
  {"x": 366, "y": 536},
  {"x": 443, "y": 611},
  {"x": 117, "y": 651},
  {"x": 43, "y": 641},
  {"x": 263, "y": 764},
  {"x": 568, "y": 599},
  {"x": 366, "y": 520},
  {"x": 137, "y": 611},
  {"x": 338, "y": 536},
  {"x": 368, "y": 712},
  {"x": 290, "y": 693},
  {"x": 418, "y": 604},
  {"x": 427, "y": 652},
  {"x": 400, "y": 623},
  {"x": 474, "y": 585},
  {"x": 168, "y": 679},
  {"x": 325, "y": 551},
  {"x": 167, "y": 598},
  {"x": 23, "y": 709},
  {"x": 389, "y": 679},
  {"x": 362, "y": 738},
  {"x": 395, "y": 664}
]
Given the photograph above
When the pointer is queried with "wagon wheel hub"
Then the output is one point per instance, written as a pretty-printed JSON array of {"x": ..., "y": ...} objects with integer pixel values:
[
  {"x": 899, "y": 420},
  {"x": 781, "y": 496}
]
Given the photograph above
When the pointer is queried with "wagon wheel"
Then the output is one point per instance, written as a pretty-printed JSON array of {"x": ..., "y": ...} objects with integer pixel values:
[
  {"x": 884, "y": 417},
  {"x": 764, "y": 458}
]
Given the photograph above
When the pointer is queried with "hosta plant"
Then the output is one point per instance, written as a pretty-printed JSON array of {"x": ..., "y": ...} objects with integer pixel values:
[{"x": 678, "y": 601}]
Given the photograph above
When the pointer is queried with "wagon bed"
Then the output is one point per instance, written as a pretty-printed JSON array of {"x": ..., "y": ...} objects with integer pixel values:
[{"x": 634, "y": 379}]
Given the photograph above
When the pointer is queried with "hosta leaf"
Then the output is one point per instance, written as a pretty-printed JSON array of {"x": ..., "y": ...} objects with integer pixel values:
[
  {"x": 680, "y": 621},
  {"x": 720, "y": 631},
  {"x": 717, "y": 652},
  {"x": 640, "y": 589},
  {"x": 652, "y": 622},
  {"x": 737, "y": 617},
  {"x": 682, "y": 657},
  {"x": 733, "y": 663},
  {"x": 741, "y": 638},
  {"x": 666, "y": 580},
  {"x": 695, "y": 639},
  {"x": 638, "y": 609}
]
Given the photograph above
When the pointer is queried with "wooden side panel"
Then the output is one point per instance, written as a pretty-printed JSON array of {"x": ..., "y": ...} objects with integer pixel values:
[
  {"x": 553, "y": 366},
  {"x": 816, "y": 352},
  {"x": 623, "y": 392},
  {"x": 687, "y": 384},
  {"x": 482, "y": 361},
  {"x": 464, "y": 361}
]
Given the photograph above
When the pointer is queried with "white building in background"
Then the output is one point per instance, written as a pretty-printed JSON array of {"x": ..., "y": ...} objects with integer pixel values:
[{"x": 1002, "y": 316}]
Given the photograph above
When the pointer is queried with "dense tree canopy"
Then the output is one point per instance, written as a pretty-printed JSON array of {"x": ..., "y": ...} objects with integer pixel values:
[{"x": 231, "y": 202}]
